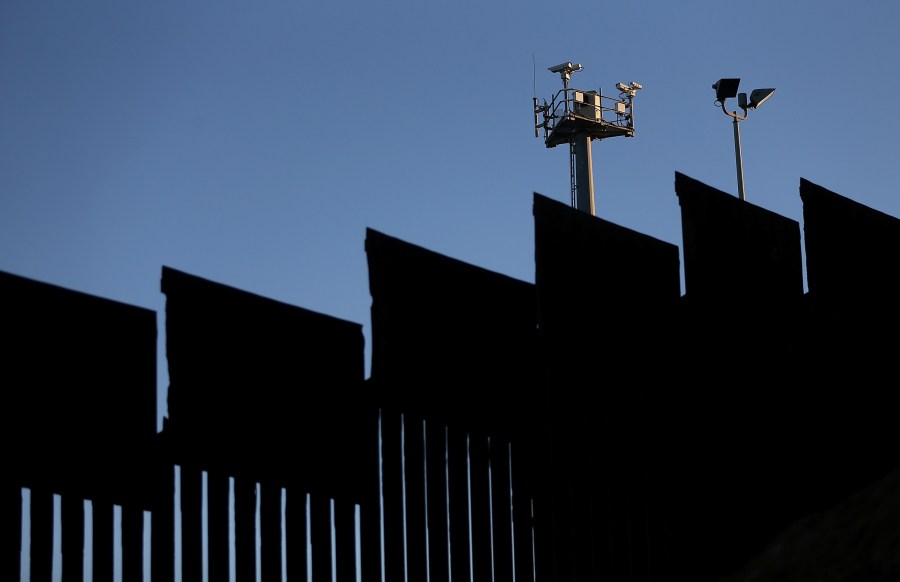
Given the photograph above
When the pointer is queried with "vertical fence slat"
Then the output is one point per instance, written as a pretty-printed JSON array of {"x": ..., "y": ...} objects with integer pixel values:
[
  {"x": 218, "y": 512},
  {"x": 345, "y": 548},
  {"x": 542, "y": 519},
  {"x": 320, "y": 537},
  {"x": 72, "y": 521},
  {"x": 162, "y": 531},
  {"x": 41, "y": 513},
  {"x": 481, "y": 508},
  {"x": 460, "y": 565},
  {"x": 370, "y": 534},
  {"x": 415, "y": 498},
  {"x": 270, "y": 532},
  {"x": 392, "y": 493},
  {"x": 502, "y": 511},
  {"x": 522, "y": 500},
  {"x": 295, "y": 535},
  {"x": 132, "y": 543},
  {"x": 191, "y": 524},
  {"x": 436, "y": 443},
  {"x": 370, "y": 517},
  {"x": 245, "y": 529},
  {"x": 102, "y": 528}
]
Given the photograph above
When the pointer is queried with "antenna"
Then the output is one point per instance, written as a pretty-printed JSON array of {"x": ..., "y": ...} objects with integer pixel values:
[
  {"x": 576, "y": 118},
  {"x": 534, "y": 93}
]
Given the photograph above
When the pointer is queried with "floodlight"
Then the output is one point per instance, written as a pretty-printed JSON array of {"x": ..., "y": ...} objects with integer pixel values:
[
  {"x": 726, "y": 88},
  {"x": 760, "y": 96}
]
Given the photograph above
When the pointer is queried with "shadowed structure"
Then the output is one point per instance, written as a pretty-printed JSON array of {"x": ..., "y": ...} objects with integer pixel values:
[
  {"x": 267, "y": 392},
  {"x": 596, "y": 424},
  {"x": 80, "y": 402}
]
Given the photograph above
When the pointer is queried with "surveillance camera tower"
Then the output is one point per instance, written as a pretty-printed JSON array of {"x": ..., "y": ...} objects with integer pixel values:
[{"x": 577, "y": 117}]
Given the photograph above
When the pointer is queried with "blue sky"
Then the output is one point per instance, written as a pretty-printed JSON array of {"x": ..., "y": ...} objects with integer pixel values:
[{"x": 252, "y": 143}]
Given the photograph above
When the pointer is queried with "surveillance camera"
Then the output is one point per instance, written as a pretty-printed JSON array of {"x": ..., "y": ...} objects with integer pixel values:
[
  {"x": 566, "y": 67},
  {"x": 636, "y": 85},
  {"x": 622, "y": 87}
]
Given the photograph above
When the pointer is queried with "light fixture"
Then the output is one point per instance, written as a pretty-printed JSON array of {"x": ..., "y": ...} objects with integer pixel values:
[
  {"x": 760, "y": 96},
  {"x": 728, "y": 89}
]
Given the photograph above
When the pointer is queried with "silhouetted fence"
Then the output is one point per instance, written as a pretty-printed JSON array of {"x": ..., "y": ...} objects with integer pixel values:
[{"x": 597, "y": 424}]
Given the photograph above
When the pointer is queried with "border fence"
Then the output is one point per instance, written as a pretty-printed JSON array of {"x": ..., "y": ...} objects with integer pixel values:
[{"x": 597, "y": 424}]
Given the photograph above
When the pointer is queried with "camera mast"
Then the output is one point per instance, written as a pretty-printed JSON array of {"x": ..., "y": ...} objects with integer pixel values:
[{"x": 576, "y": 118}]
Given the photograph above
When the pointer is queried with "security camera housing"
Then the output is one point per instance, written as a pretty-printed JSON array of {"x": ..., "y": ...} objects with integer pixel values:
[{"x": 566, "y": 67}]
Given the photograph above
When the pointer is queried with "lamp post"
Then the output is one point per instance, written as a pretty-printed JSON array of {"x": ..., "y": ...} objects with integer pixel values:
[{"x": 726, "y": 89}]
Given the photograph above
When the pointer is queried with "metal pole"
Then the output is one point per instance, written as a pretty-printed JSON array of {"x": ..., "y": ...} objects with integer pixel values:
[
  {"x": 631, "y": 110},
  {"x": 737, "y": 159},
  {"x": 572, "y": 186},
  {"x": 584, "y": 180}
]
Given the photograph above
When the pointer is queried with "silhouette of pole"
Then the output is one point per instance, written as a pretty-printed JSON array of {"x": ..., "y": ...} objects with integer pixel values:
[
  {"x": 726, "y": 89},
  {"x": 738, "y": 160}
]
